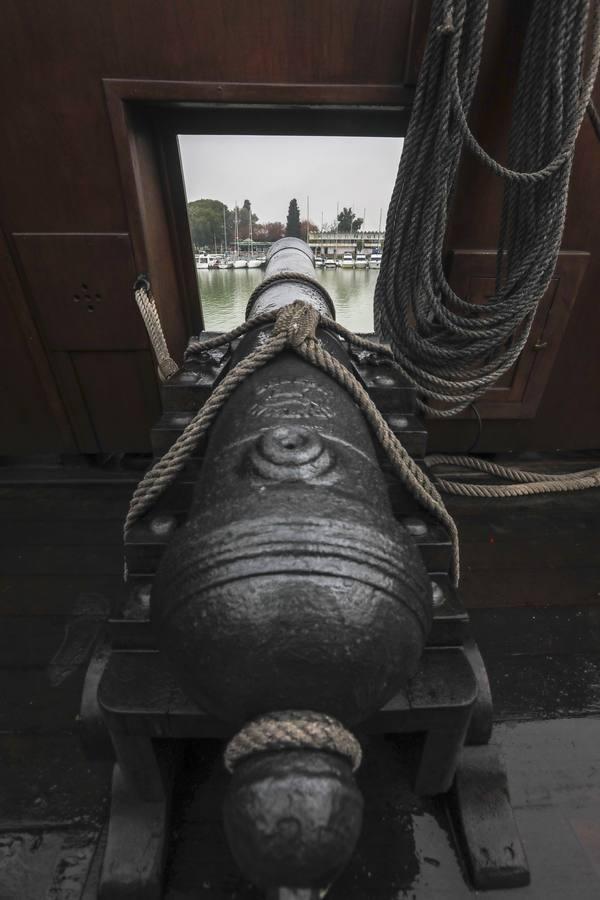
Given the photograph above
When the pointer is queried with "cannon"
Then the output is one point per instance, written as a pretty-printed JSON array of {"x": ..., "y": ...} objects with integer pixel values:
[{"x": 287, "y": 595}]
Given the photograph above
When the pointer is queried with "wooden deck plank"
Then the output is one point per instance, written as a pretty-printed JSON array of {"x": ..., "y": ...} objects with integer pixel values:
[
  {"x": 535, "y": 587},
  {"x": 61, "y": 532},
  {"x": 33, "y": 704},
  {"x": 52, "y": 560},
  {"x": 80, "y": 502},
  {"x": 534, "y": 592},
  {"x": 41, "y": 595},
  {"x": 534, "y": 631},
  {"x": 51, "y": 784}
]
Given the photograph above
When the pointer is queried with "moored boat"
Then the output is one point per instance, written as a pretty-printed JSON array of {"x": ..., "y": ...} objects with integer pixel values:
[
  {"x": 375, "y": 259},
  {"x": 347, "y": 260}
]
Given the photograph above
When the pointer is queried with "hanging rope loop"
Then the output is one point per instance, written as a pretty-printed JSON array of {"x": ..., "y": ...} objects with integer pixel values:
[
  {"x": 449, "y": 348},
  {"x": 295, "y": 328},
  {"x": 147, "y": 307}
]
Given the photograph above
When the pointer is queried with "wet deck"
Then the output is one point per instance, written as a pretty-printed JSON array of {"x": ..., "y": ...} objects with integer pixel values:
[{"x": 531, "y": 576}]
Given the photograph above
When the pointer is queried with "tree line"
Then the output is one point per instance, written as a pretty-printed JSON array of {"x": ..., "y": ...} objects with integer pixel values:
[{"x": 212, "y": 223}]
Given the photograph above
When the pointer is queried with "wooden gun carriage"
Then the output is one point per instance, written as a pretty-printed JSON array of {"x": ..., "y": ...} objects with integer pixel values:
[{"x": 290, "y": 460}]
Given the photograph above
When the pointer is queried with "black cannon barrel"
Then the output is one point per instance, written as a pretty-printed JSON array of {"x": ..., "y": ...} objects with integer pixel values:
[
  {"x": 291, "y": 255},
  {"x": 292, "y": 585}
]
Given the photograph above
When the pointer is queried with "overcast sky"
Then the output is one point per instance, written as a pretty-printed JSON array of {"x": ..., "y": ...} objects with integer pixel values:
[{"x": 271, "y": 169}]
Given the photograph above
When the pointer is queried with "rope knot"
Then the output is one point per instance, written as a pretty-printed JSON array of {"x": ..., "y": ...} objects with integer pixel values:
[
  {"x": 298, "y": 321},
  {"x": 447, "y": 26}
]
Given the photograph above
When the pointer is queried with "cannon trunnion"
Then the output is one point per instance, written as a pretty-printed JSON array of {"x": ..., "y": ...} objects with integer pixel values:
[{"x": 288, "y": 568}]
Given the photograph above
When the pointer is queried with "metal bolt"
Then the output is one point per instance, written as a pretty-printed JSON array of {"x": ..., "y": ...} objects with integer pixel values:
[
  {"x": 437, "y": 595},
  {"x": 416, "y": 527},
  {"x": 182, "y": 419},
  {"x": 398, "y": 422},
  {"x": 161, "y": 526},
  {"x": 186, "y": 377}
]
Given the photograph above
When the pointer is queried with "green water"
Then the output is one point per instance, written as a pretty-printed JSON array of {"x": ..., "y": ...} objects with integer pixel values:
[{"x": 225, "y": 292}]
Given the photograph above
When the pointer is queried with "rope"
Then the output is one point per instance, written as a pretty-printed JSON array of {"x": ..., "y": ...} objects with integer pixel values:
[
  {"x": 292, "y": 730},
  {"x": 147, "y": 307},
  {"x": 197, "y": 346},
  {"x": 166, "y": 469},
  {"x": 450, "y": 349},
  {"x": 294, "y": 328},
  {"x": 527, "y": 483}
]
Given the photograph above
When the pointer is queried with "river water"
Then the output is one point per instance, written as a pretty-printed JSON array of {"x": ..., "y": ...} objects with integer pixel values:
[{"x": 225, "y": 292}]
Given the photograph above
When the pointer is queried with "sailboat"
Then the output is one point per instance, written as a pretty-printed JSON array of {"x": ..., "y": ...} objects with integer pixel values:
[
  {"x": 238, "y": 262},
  {"x": 225, "y": 261},
  {"x": 253, "y": 262}
]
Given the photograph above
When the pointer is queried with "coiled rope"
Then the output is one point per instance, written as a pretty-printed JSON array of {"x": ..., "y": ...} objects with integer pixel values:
[
  {"x": 452, "y": 350},
  {"x": 294, "y": 328}
]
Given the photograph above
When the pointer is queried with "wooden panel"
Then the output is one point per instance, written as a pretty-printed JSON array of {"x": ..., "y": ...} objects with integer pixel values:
[
  {"x": 59, "y": 171},
  {"x": 24, "y": 414},
  {"x": 121, "y": 399},
  {"x": 81, "y": 288},
  {"x": 55, "y": 129},
  {"x": 519, "y": 392},
  {"x": 160, "y": 255},
  {"x": 32, "y": 417},
  {"x": 74, "y": 400},
  {"x": 419, "y": 23}
]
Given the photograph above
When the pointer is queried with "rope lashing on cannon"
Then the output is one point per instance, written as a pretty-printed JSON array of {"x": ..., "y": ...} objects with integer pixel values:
[
  {"x": 451, "y": 349},
  {"x": 292, "y": 730},
  {"x": 294, "y": 328}
]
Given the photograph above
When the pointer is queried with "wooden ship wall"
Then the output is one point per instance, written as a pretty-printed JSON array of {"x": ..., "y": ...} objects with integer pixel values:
[
  {"x": 91, "y": 194},
  {"x": 93, "y": 96}
]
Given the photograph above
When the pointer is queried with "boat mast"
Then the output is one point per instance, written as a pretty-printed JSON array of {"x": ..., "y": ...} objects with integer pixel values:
[
  {"x": 224, "y": 230},
  {"x": 236, "y": 232},
  {"x": 250, "y": 225}
]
